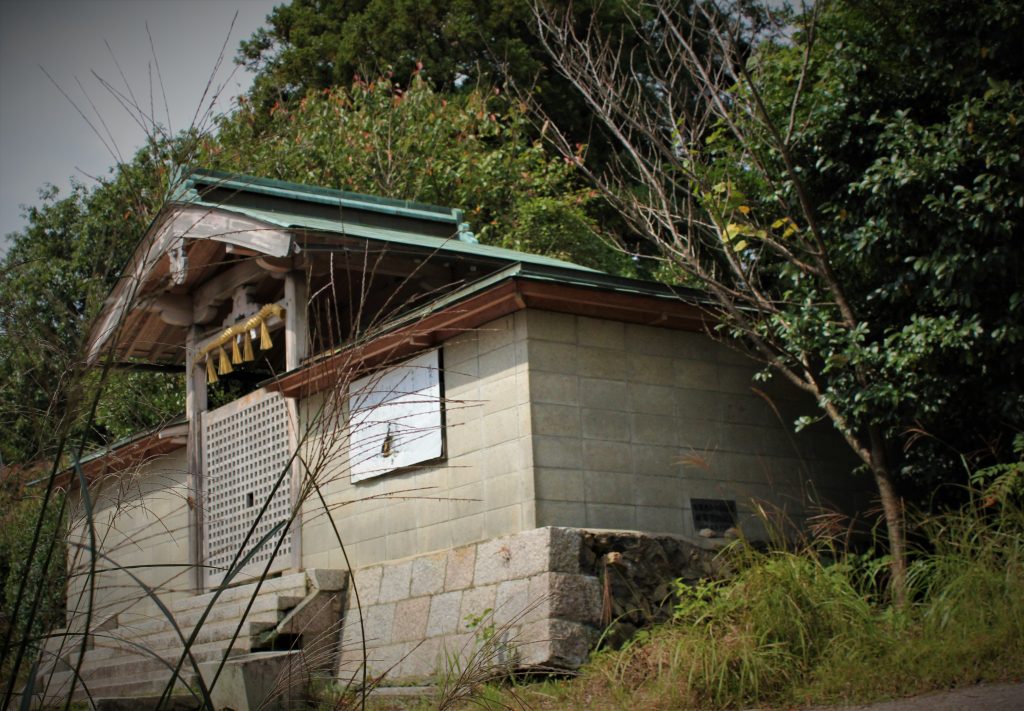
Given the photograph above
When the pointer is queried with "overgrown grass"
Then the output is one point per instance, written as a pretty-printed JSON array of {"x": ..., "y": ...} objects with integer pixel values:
[{"x": 812, "y": 626}]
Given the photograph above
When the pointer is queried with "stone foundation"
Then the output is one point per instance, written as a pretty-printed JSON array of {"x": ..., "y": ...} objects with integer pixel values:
[{"x": 539, "y": 593}]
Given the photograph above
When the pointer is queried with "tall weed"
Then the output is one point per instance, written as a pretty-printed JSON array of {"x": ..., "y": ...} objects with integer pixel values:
[{"x": 813, "y": 626}]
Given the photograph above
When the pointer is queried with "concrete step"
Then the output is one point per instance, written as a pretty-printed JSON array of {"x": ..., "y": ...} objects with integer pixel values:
[{"x": 293, "y": 584}]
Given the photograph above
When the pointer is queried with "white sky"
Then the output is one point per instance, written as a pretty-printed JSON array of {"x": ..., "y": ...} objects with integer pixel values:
[{"x": 43, "y": 139}]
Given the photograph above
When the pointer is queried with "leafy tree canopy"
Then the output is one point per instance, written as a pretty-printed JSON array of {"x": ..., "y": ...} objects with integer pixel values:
[
  {"x": 55, "y": 276},
  {"x": 459, "y": 44},
  {"x": 908, "y": 141},
  {"x": 416, "y": 144}
]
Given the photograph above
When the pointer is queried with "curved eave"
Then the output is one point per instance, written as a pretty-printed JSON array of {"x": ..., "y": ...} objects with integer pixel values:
[{"x": 130, "y": 323}]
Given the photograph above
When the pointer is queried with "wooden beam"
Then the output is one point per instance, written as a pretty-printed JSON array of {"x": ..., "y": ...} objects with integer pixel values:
[
  {"x": 296, "y": 324},
  {"x": 210, "y": 295},
  {"x": 195, "y": 406},
  {"x": 174, "y": 310}
]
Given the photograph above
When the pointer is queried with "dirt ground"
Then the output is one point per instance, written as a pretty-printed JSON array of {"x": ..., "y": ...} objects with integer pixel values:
[{"x": 986, "y": 697}]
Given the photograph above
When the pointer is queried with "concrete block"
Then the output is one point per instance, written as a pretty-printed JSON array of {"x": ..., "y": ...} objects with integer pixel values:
[
  {"x": 249, "y": 682},
  {"x": 411, "y": 619},
  {"x": 428, "y": 574},
  {"x": 564, "y": 549},
  {"x": 551, "y": 357},
  {"x": 459, "y": 567},
  {"x": 395, "y": 581},
  {"x": 561, "y": 513},
  {"x": 469, "y": 529},
  {"x": 559, "y": 484},
  {"x": 656, "y": 519},
  {"x": 500, "y": 426},
  {"x": 557, "y": 452},
  {"x": 556, "y": 420},
  {"x": 501, "y": 491},
  {"x": 652, "y": 399},
  {"x": 401, "y": 544},
  {"x": 609, "y": 487},
  {"x": 495, "y": 334},
  {"x": 467, "y": 500},
  {"x": 603, "y": 393},
  {"x": 613, "y": 516},
  {"x": 459, "y": 350},
  {"x": 658, "y": 491},
  {"x": 422, "y": 661},
  {"x": 388, "y": 657},
  {"x": 551, "y": 326},
  {"x": 436, "y": 538},
  {"x": 558, "y": 388},
  {"x": 499, "y": 393},
  {"x": 554, "y": 643},
  {"x": 504, "y": 458},
  {"x": 493, "y": 561},
  {"x": 500, "y": 522},
  {"x": 512, "y": 601},
  {"x": 378, "y": 623},
  {"x": 600, "y": 363},
  {"x": 607, "y": 456},
  {"x": 653, "y": 370},
  {"x": 576, "y": 598},
  {"x": 444, "y": 613},
  {"x": 500, "y": 362},
  {"x": 606, "y": 425},
  {"x": 367, "y": 580},
  {"x": 654, "y": 429},
  {"x": 600, "y": 333},
  {"x": 476, "y": 602},
  {"x": 695, "y": 375},
  {"x": 530, "y": 553}
]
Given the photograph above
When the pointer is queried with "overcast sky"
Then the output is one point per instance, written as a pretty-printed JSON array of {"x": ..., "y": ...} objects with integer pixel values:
[{"x": 43, "y": 139}]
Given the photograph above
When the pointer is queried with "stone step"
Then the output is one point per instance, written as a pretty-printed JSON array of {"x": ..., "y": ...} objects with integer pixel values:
[
  {"x": 292, "y": 584},
  {"x": 186, "y": 619}
]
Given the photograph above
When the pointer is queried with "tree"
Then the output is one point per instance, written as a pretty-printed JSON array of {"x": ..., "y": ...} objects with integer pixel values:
[
  {"x": 850, "y": 197},
  {"x": 55, "y": 276},
  {"x": 415, "y": 144},
  {"x": 460, "y": 44}
]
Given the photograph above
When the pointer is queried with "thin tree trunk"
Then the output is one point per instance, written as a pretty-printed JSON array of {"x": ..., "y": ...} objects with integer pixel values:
[{"x": 892, "y": 506}]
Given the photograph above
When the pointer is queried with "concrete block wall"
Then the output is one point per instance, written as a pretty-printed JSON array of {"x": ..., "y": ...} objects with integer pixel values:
[
  {"x": 419, "y": 612},
  {"x": 482, "y": 489},
  {"x": 141, "y": 519},
  {"x": 631, "y": 422}
]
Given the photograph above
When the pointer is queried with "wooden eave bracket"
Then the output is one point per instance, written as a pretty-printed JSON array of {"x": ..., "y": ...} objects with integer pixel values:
[{"x": 163, "y": 247}]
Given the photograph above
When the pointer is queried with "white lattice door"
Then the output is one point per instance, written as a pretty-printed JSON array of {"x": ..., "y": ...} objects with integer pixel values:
[{"x": 247, "y": 447}]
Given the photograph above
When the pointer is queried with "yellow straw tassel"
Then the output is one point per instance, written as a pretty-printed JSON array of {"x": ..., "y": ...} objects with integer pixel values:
[
  {"x": 211, "y": 372},
  {"x": 247, "y": 354},
  {"x": 225, "y": 363},
  {"x": 236, "y": 355},
  {"x": 265, "y": 343}
]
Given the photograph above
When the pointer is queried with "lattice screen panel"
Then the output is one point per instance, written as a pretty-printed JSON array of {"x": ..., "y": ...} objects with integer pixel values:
[{"x": 246, "y": 449}]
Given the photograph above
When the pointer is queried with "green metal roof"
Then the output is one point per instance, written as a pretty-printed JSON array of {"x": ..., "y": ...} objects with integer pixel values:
[{"x": 189, "y": 194}]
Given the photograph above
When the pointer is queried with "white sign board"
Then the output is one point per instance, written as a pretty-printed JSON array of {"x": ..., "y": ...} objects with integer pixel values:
[{"x": 395, "y": 417}]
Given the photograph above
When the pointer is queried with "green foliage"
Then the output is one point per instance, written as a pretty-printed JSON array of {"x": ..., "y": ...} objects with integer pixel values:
[
  {"x": 20, "y": 510},
  {"x": 415, "y": 144},
  {"x": 907, "y": 142},
  {"x": 55, "y": 276},
  {"x": 811, "y": 627},
  {"x": 458, "y": 44}
]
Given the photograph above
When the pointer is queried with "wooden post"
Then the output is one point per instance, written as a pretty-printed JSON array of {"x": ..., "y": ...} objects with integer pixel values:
[
  {"x": 195, "y": 406},
  {"x": 296, "y": 340},
  {"x": 296, "y": 327}
]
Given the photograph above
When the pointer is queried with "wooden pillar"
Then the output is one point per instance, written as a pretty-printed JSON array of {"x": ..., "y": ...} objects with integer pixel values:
[
  {"x": 296, "y": 326},
  {"x": 195, "y": 406},
  {"x": 296, "y": 340}
]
